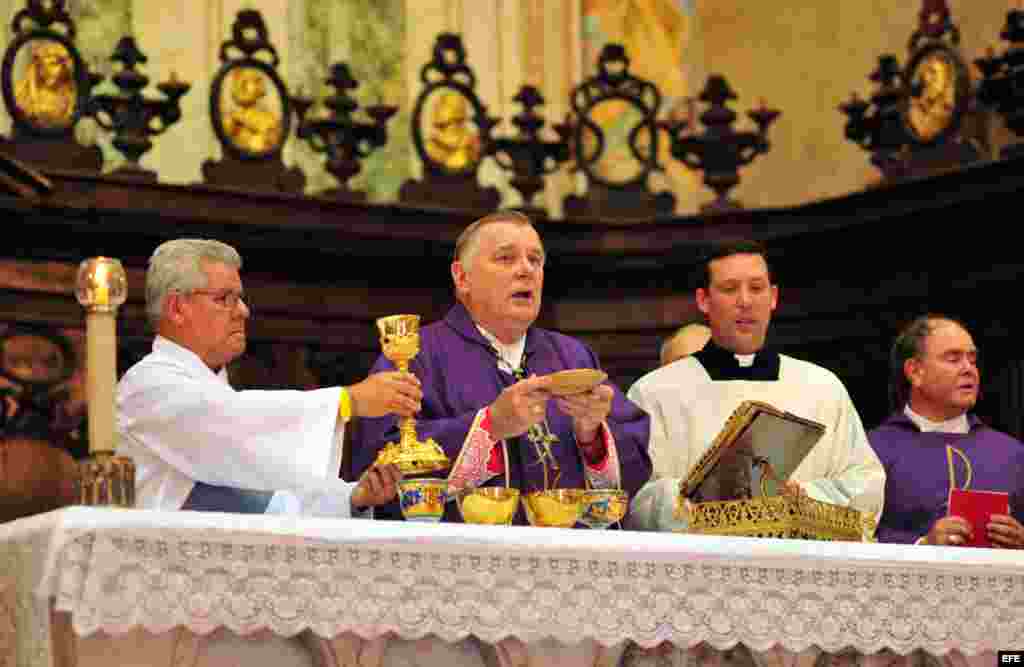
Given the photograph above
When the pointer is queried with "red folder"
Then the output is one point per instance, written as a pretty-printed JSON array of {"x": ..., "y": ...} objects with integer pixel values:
[{"x": 977, "y": 507}]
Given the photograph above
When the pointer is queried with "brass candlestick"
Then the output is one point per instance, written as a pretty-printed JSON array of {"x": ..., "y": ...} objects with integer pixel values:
[
  {"x": 105, "y": 479},
  {"x": 400, "y": 338}
]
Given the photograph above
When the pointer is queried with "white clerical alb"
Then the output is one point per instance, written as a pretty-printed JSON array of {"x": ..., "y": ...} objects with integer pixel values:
[
  {"x": 690, "y": 400},
  {"x": 182, "y": 423}
]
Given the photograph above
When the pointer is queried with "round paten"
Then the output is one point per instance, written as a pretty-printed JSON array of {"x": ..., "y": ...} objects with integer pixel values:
[{"x": 575, "y": 381}]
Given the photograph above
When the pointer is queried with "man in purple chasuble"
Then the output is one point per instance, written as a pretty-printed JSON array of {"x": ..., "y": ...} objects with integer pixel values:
[
  {"x": 484, "y": 392},
  {"x": 933, "y": 442}
]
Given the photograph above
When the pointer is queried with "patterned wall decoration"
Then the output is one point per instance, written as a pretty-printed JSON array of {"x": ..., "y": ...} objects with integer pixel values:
[
  {"x": 100, "y": 24},
  {"x": 42, "y": 384},
  {"x": 369, "y": 35},
  {"x": 662, "y": 41}
]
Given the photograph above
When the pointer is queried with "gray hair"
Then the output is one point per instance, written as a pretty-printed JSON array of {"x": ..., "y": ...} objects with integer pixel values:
[
  {"x": 177, "y": 266},
  {"x": 468, "y": 243}
]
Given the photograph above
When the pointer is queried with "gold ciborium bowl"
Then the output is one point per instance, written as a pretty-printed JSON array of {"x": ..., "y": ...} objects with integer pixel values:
[
  {"x": 491, "y": 505},
  {"x": 603, "y": 507},
  {"x": 423, "y": 499},
  {"x": 559, "y": 508}
]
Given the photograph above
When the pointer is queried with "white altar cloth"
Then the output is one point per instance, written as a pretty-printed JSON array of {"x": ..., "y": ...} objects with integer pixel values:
[{"x": 115, "y": 570}]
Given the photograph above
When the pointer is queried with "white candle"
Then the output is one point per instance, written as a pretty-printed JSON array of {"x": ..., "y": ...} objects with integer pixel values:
[
  {"x": 101, "y": 376},
  {"x": 100, "y": 288}
]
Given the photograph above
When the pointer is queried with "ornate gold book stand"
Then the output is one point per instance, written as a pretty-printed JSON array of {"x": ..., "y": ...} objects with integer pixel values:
[{"x": 758, "y": 447}]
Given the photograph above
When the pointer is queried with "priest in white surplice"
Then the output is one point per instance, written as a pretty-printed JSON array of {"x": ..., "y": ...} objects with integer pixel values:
[
  {"x": 199, "y": 444},
  {"x": 690, "y": 400}
]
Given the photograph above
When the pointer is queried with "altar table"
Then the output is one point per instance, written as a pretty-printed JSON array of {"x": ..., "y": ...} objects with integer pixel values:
[{"x": 158, "y": 586}]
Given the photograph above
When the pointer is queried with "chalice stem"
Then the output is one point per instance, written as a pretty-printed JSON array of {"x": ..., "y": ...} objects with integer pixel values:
[
  {"x": 407, "y": 431},
  {"x": 407, "y": 426}
]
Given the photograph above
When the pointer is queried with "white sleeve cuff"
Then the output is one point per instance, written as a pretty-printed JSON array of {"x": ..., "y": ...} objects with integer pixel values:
[{"x": 332, "y": 503}]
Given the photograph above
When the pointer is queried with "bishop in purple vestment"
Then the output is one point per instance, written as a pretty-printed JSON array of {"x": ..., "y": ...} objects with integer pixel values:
[
  {"x": 932, "y": 443},
  {"x": 481, "y": 401}
]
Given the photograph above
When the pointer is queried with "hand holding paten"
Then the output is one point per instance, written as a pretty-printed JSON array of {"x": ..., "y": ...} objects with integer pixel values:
[
  {"x": 588, "y": 410},
  {"x": 519, "y": 407},
  {"x": 378, "y": 485},
  {"x": 388, "y": 392},
  {"x": 949, "y": 531},
  {"x": 1006, "y": 532}
]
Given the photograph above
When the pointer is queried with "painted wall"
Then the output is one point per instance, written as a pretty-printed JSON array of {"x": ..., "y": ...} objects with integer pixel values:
[
  {"x": 184, "y": 36},
  {"x": 802, "y": 56},
  {"x": 805, "y": 57},
  {"x": 663, "y": 41}
]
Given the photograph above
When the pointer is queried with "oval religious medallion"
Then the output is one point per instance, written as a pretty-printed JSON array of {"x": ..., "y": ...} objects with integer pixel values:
[{"x": 938, "y": 92}]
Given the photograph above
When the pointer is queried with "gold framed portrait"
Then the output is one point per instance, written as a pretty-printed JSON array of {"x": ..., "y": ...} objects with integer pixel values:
[
  {"x": 250, "y": 109},
  {"x": 937, "y": 84},
  {"x": 446, "y": 129},
  {"x": 43, "y": 83}
]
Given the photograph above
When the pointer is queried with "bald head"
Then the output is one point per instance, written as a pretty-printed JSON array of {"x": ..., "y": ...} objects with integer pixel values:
[{"x": 689, "y": 339}]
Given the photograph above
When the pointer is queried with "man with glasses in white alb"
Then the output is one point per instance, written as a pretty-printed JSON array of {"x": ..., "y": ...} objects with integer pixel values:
[{"x": 199, "y": 444}]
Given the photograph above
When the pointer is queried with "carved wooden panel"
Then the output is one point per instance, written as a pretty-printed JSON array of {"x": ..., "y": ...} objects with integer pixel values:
[{"x": 850, "y": 270}]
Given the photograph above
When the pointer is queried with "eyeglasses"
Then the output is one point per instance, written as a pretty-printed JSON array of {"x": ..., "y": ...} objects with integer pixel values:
[{"x": 227, "y": 299}]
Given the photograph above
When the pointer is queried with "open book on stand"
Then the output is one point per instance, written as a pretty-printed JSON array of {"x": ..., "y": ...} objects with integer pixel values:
[{"x": 736, "y": 485}]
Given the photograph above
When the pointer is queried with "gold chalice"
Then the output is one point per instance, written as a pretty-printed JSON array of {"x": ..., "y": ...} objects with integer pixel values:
[
  {"x": 559, "y": 508},
  {"x": 400, "y": 338},
  {"x": 603, "y": 507},
  {"x": 491, "y": 505}
]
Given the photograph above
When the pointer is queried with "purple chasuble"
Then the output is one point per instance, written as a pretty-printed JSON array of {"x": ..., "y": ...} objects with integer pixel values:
[
  {"x": 917, "y": 472},
  {"x": 460, "y": 375}
]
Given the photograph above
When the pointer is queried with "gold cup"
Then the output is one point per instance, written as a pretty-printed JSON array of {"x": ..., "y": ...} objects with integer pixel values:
[
  {"x": 559, "y": 508},
  {"x": 491, "y": 505},
  {"x": 400, "y": 338},
  {"x": 423, "y": 499}
]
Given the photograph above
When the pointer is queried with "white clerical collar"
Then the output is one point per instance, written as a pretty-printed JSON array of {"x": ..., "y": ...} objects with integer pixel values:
[
  {"x": 745, "y": 360},
  {"x": 957, "y": 424},
  {"x": 510, "y": 355}
]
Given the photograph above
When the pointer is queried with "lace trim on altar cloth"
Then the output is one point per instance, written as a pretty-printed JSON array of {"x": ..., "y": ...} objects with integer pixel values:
[
  {"x": 24, "y": 615},
  {"x": 158, "y": 577},
  {"x": 114, "y": 584}
]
